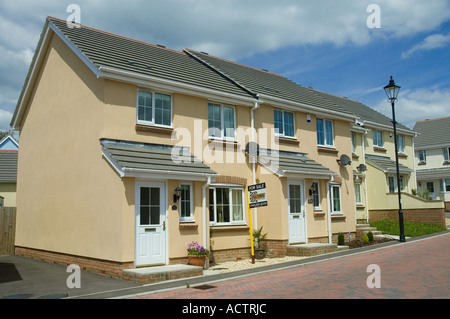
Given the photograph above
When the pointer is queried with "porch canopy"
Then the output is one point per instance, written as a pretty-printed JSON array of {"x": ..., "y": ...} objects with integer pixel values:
[
  {"x": 387, "y": 165},
  {"x": 132, "y": 159},
  {"x": 289, "y": 164},
  {"x": 433, "y": 173}
]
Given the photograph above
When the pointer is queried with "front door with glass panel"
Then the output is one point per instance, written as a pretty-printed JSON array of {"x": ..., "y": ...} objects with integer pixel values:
[
  {"x": 296, "y": 209},
  {"x": 150, "y": 224}
]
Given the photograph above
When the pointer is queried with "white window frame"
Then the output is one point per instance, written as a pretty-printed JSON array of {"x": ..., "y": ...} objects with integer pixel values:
[
  {"x": 230, "y": 205},
  {"x": 191, "y": 204},
  {"x": 424, "y": 155},
  {"x": 317, "y": 208},
  {"x": 376, "y": 140},
  {"x": 326, "y": 143},
  {"x": 401, "y": 144},
  {"x": 446, "y": 153},
  {"x": 358, "y": 187},
  {"x": 152, "y": 122},
  {"x": 403, "y": 180},
  {"x": 283, "y": 134},
  {"x": 222, "y": 122},
  {"x": 332, "y": 211}
]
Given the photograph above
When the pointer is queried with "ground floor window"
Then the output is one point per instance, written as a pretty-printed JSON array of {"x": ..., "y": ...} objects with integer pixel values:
[
  {"x": 445, "y": 185},
  {"x": 316, "y": 195},
  {"x": 358, "y": 199},
  {"x": 392, "y": 181},
  {"x": 186, "y": 213},
  {"x": 335, "y": 198},
  {"x": 226, "y": 205}
]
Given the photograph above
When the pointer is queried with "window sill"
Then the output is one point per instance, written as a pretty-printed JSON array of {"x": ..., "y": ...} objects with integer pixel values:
[
  {"x": 446, "y": 163},
  {"x": 218, "y": 228},
  {"x": 187, "y": 226},
  {"x": 379, "y": 149},
  {"x": 423, "y": 163},
  {"x": 338, "y": 217},
  {"x": 326, "y": 149},
  {"x": 402, "y": 155},
  {"x": 354, "y": 156},
  {"x": 288, "y": 140},
  {"x": 319, "y": 214},
  {"x": 154, "y": 129}
]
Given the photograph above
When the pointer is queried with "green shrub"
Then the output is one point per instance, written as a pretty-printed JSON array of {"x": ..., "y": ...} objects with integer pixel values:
[
  {"x": 341, "y": 239},
  {"x": 370, "y": 236},
  {"x": 365, "y": 239}
]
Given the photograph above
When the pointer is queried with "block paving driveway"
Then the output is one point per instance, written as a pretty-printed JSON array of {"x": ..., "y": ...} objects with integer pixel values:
[{"x": 417, "y": 269}]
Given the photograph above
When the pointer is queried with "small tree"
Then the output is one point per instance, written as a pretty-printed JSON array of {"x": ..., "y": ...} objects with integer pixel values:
[{"x": 370, "y": 236}]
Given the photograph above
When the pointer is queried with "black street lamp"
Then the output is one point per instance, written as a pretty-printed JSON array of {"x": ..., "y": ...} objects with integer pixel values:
[{"x": 392, "y": 91}]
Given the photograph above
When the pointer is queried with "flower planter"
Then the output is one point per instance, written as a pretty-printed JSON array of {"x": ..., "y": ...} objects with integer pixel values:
[{"x": 197, "y": 261}]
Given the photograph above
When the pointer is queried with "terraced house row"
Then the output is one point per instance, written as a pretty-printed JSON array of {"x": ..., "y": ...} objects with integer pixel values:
[{"x": 131, "y": 150}]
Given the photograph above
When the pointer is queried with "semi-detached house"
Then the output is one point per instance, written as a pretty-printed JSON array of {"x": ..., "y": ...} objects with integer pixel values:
[{"x": 130, "y": 150}]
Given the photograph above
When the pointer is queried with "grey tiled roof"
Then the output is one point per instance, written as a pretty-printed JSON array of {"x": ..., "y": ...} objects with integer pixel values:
[
  {"x": 287, "y": 163},
  {"x": 432, "y": 132},
  {"x": 266, "y": 83},
  {"x": 153, "y": 158},
  {"x": 386, "y": 164},
  {"x": 104, "y": 49},
  {"x": 8, "y": 166},
  {"x": 362, "y": 111},
  {"x": 433, "y": 173}
]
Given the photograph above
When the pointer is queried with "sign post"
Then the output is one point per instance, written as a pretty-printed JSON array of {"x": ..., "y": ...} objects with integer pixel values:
[{"x": 256, "y": 197}]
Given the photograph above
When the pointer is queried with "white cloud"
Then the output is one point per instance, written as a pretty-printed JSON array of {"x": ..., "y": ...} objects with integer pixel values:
[
  {"x": 417, "y": 105},
  {"x": 5, "y": 119},
  {"x": 434, "y": 41}
]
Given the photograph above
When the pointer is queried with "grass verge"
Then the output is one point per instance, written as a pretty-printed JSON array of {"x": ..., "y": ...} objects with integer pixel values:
[{"x": 412, "y": 229}]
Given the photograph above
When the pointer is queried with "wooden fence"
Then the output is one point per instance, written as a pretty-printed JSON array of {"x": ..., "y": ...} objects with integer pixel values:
[{"x": 7, "y": 230}]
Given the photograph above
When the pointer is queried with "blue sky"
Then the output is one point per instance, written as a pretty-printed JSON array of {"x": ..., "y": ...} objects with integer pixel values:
[{"x": 324, "y": 44}]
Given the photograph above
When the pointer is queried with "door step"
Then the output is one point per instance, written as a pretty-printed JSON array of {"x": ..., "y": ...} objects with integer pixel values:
[
  {"x": 313, "y": 249},
  {"x": 160, "y": 273}
]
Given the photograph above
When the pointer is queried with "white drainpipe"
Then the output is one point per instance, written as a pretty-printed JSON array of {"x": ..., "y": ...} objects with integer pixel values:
[{"x": 205, "y": 227}]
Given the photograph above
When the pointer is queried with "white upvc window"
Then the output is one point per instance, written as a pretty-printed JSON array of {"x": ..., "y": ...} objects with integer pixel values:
[
  {"x": 335, "y": 199},
  {"x": 446, "y": 153},
  {"x": 186, "y": 203},
  {"x": 226, "y": 205},
  {"x": 221, "y": 121},
  {"x": 154, "y": 108},
  {"x": 325, "y": 135},
  {"x": 392, "y": 182},
  {"x": 284, "y": 123},
  {"x": 422, "y": 156},
  {"x": 316, "y": 195},
  {"x": 401, "y": 144},
  {"x": 377, "y": 138},
  {"x": 358, "y": 198}
]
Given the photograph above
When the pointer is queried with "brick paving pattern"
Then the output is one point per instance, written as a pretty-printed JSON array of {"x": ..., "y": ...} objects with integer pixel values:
[{"x": 416, "y": 269}]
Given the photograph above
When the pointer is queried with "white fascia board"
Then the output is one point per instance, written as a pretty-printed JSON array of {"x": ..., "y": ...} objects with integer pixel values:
[
  {"x": 146, "y": 173},
  {"x": 295, "y": 106},
  {"x": 308, "y": 174},
  {"x": 75, "y": 50},
  {"x": 146, "y": 80},
  {"x": 113, "y": 163},
  {"x": 389, "y": 128}
]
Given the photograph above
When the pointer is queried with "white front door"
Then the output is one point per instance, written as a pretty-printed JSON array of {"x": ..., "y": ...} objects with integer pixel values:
[
  {"x": 296, "y": 210},
  {"x": 150, "y": 223}
]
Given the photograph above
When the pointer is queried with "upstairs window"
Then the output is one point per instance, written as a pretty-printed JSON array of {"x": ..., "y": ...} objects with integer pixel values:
[
  {"x": 325, "y": 135},
  {"x": 284, "y": 123},
  {"x": 221, "y": 121},
  {"x": 154, "y": 108},
  {"x": 377, "y": 139},
  {"x": 422, "y": 156},
  {"x": 400, "y": 144}
]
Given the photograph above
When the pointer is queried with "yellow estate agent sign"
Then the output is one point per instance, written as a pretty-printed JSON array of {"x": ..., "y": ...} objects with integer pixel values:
[{"x": 256, "y": 197}]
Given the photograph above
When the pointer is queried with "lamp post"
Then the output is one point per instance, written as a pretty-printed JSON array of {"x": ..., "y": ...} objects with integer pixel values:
[{"x": 392, "y": 91}]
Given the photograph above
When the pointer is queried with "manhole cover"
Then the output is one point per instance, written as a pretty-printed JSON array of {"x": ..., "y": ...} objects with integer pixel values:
[{"x": 204, "y": 287}]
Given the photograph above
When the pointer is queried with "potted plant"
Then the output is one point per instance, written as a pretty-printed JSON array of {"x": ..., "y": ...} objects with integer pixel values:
[
  {"x": 197, "y": 254},
  {"x": 259, "y": 237}
]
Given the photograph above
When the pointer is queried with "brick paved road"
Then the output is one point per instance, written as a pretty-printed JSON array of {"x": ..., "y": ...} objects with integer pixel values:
[{"x": 416, "y": 269}]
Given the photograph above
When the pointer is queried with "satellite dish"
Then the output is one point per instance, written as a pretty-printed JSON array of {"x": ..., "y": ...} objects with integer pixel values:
[
  {"x": 252, "y": 148},
  {"x": 362, "y": 168},
  {"x": 345, "y": 160}
]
